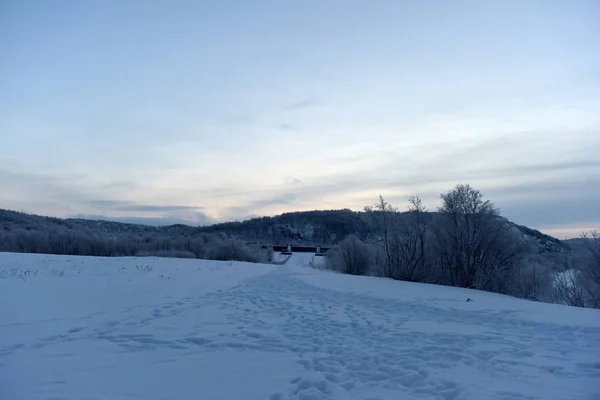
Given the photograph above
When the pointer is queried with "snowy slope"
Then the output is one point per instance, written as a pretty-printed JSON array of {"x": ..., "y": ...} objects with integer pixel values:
[{"x": 146, "y": 328}]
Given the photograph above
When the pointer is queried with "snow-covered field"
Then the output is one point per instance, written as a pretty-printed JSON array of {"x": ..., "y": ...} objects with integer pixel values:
[{"x": 148, "y": 328}]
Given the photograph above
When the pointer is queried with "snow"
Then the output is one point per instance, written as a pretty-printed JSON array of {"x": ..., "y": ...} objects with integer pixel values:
[
  {"x": 150, "y": 328},
  {"x": 319, "y": 262},
  {"x": 279, "y": 258}
]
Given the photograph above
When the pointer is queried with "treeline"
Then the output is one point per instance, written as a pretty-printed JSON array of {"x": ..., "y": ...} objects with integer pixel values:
[
  {"x": 33, "y": 234},
  {"x": 468, "y": 244}
]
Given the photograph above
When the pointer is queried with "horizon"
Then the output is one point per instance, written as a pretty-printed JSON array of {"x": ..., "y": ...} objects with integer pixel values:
[{"x": 204, "y": 113}]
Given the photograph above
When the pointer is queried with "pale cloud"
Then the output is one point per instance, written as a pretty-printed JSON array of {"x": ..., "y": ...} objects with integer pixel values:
[
  {"x": 128, "y": 206},
  {"x": 198, "y": 220},
  {"x": 310, "y": 102},
  {"x": 290, "y": 180}
]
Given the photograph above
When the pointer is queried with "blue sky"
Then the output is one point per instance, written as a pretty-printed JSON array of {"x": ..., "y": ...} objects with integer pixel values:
[{"x": 162, "y": 111}]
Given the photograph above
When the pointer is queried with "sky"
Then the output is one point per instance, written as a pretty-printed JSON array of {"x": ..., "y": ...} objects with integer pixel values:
[{"x": 204, "y": 111}]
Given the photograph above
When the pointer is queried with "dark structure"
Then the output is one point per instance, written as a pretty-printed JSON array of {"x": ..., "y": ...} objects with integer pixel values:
[{"x": 285, "y": 249}]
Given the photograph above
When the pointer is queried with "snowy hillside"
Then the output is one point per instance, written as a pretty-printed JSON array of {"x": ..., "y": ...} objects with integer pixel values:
[{"x": 149, "y": 328}]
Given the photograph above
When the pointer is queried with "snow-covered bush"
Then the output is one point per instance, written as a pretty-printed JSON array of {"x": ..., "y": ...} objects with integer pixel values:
[
  {"x": 351, "y": 256},
  {"x": 236, "y": 250}
]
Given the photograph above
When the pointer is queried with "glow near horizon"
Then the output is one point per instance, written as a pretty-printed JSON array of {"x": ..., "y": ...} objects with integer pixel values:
[{"x": 195, "y": 111}]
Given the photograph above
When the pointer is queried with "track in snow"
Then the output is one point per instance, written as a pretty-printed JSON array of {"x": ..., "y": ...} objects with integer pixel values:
[{"x": 351, "y": 346}]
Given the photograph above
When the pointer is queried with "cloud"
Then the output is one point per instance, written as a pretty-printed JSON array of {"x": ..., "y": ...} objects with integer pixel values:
[
  {"x": 286, "y": 127},
  {"x": 120, "y": 185},
  {"x": 540, "y": 213},
  {"x": 73, "y": 195},
  {"x": 256, "y": 208},
  {"x": 151, "y": 214},
  {"x": 286, "y": 198},
  {"x": 20, "y": 190},
  {"x": 550, "y": 203},
  {"x": 129, "y": 206},
  {"x": 306, "y": 103},
  {"x": 237, "y": 214},
  {"x": 152, "y": 221},
  {"x": 551, "y": 167},
  {"x": 235, "y": 119},
  {"x": 290, "y": 180}
]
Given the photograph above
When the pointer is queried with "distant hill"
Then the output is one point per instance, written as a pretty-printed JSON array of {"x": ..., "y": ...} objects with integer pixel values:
[
  {"x": 331, "y": 226},
  {"x": 545, "y": 242},
  {"x": 14, "y": 219},
  {"x": 306, "y": 227}
]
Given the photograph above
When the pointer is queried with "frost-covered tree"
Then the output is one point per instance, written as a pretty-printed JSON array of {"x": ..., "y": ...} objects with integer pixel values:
[{"x": 474, "y": 246}]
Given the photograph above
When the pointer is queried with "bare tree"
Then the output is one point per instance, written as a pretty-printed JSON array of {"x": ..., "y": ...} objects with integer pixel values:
[
  {"x": 407, "y": 242},
  {"x": 403, "y": 238},
  {"x": 474, "y": 246},
  {"x": 592, "y": 265},
  {"x": 569, "y": 289},
  {"x": 382, "y": 215},
  {"x": 579, "y": 285}
]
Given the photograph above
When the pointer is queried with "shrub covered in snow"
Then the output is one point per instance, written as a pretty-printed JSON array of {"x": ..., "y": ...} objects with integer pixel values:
[
  {"x": 236, "y": 250},
  {"x": 351, "y": 256}
]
